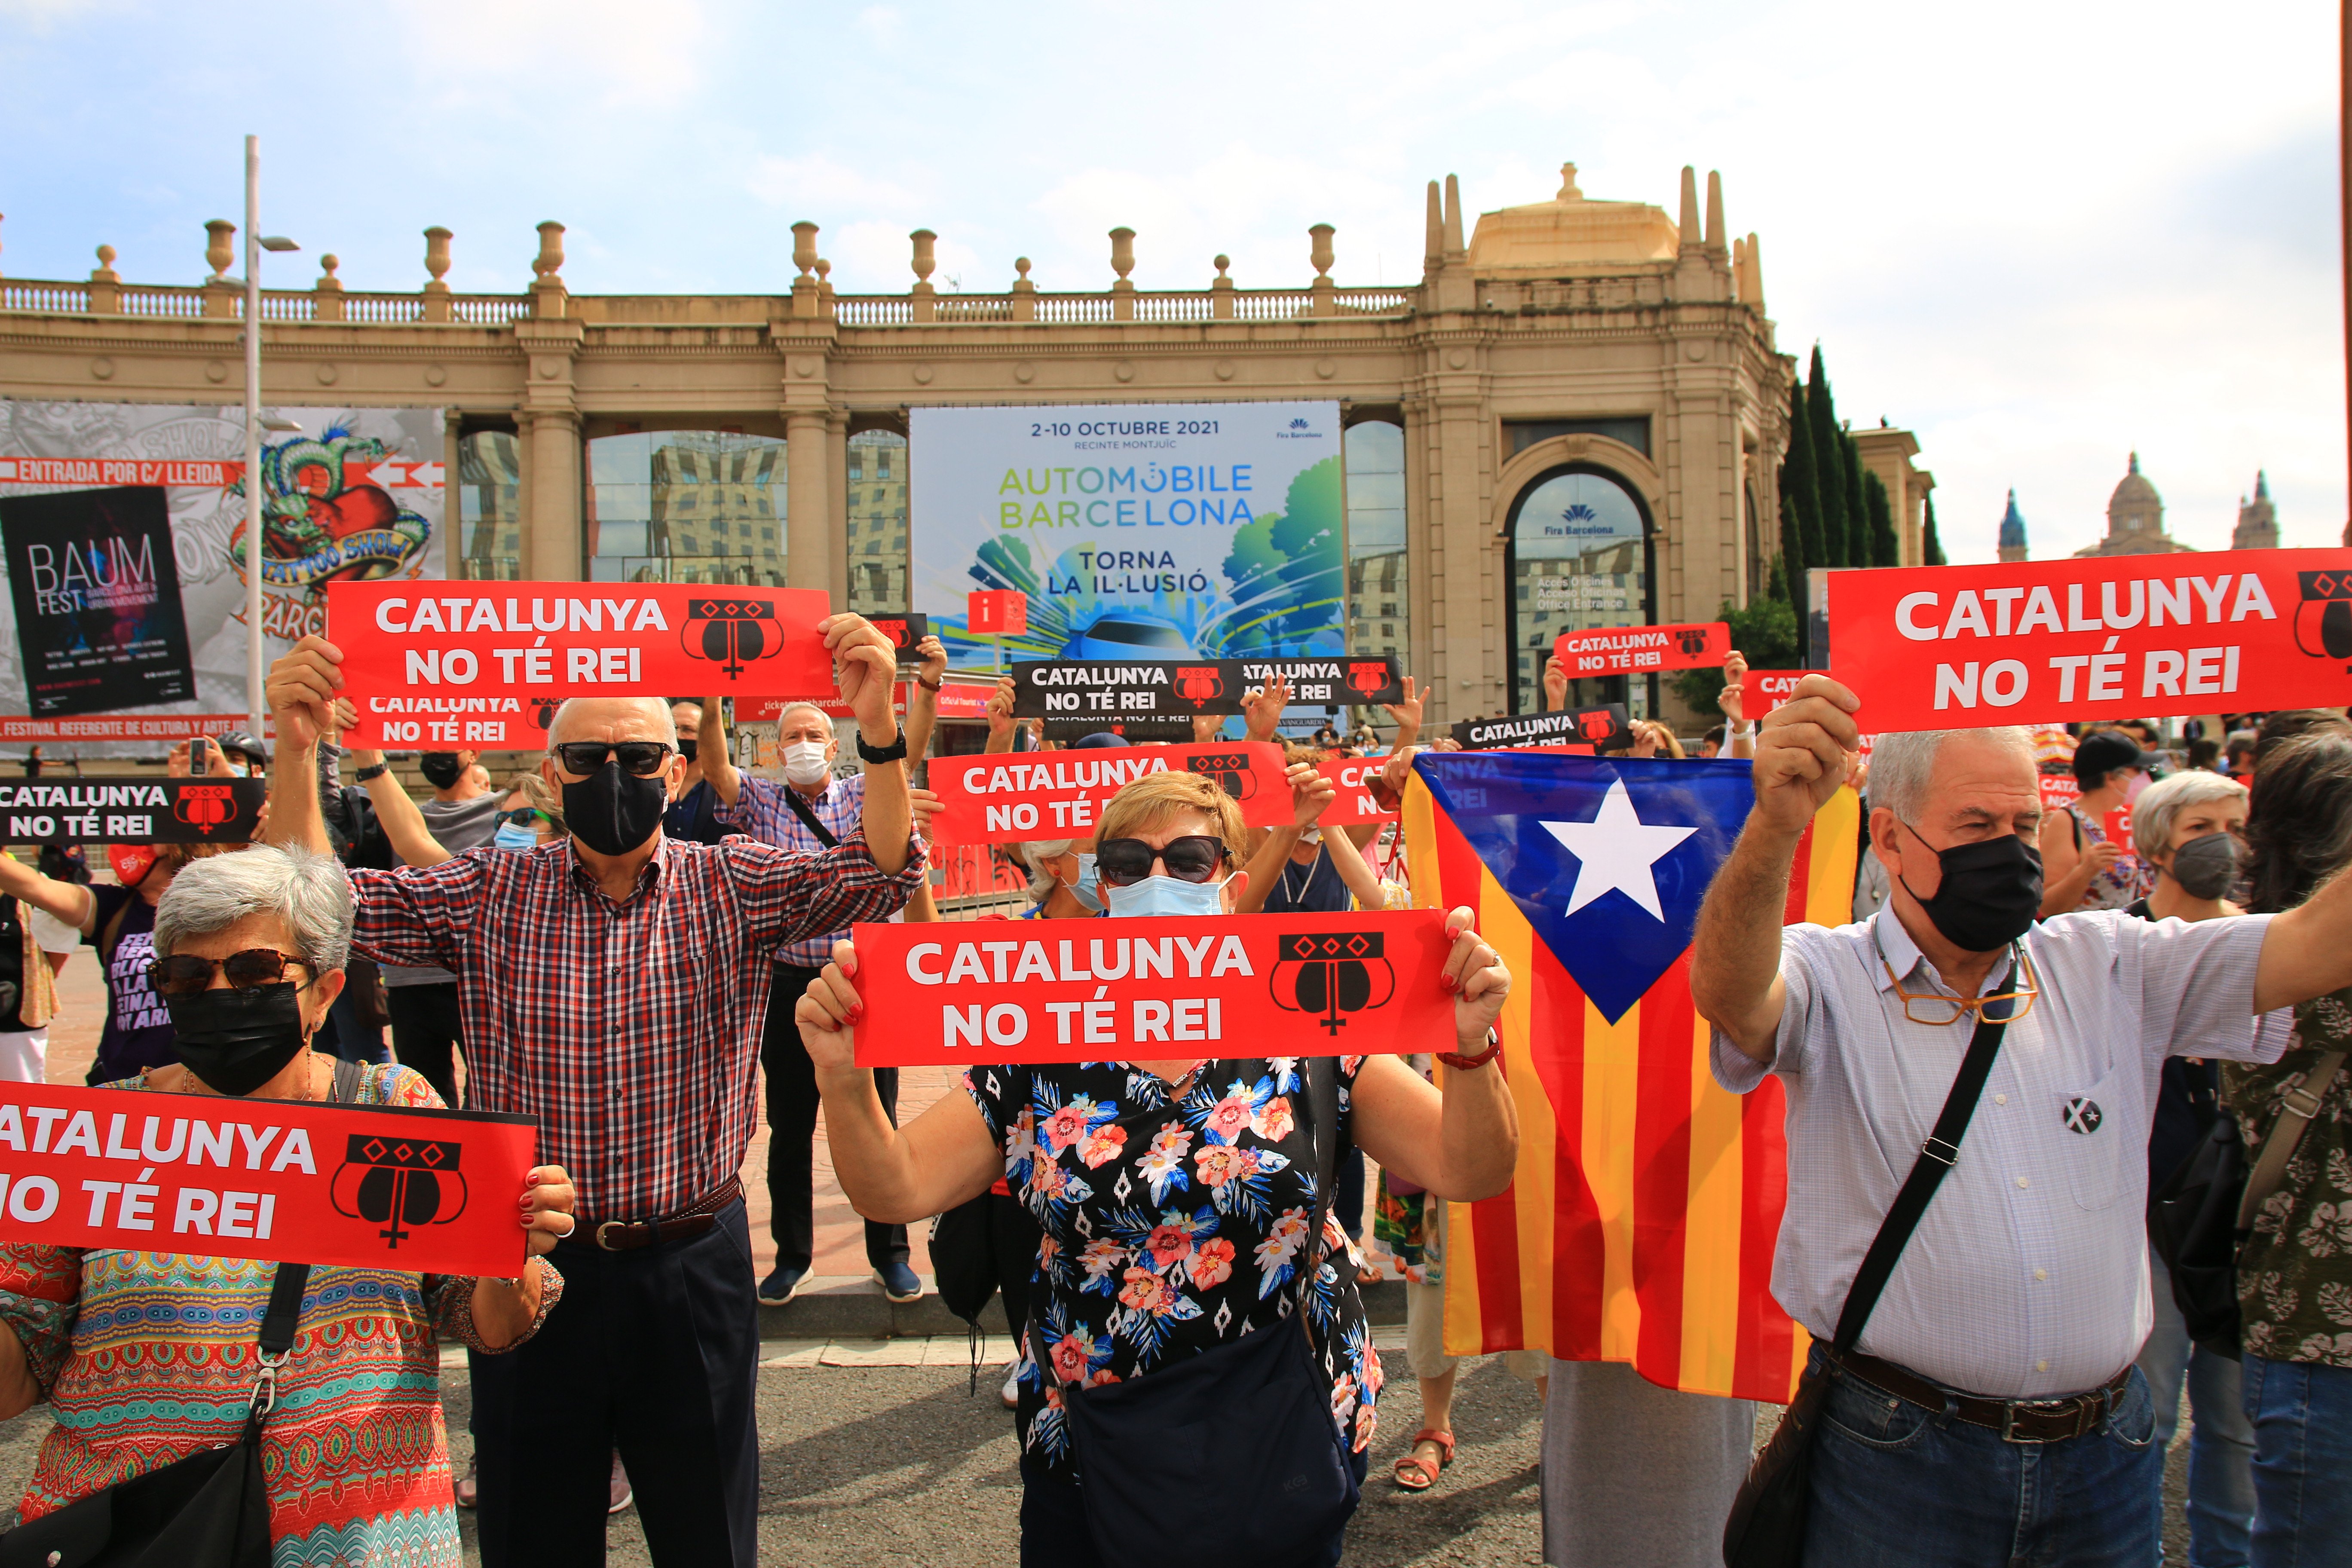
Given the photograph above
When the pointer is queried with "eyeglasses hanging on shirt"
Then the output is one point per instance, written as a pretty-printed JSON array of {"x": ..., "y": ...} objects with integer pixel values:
[{"x": 2003, "y": 1007}]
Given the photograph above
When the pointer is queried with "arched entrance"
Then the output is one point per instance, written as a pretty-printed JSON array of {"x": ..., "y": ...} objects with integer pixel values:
[{"x": 1579, "y": 554}]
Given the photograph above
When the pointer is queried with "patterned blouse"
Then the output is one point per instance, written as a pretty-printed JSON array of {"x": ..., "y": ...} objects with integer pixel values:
[
  {"x": 148, "y": 1357},
  {"x": 1171, "y": 1225},
  {"x": 2294, "y": 1275},
  {"x": 2122, "y": 884}
]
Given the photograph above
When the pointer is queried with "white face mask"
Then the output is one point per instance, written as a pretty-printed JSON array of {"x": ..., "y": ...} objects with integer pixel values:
[{"x": 804, "y": 763}]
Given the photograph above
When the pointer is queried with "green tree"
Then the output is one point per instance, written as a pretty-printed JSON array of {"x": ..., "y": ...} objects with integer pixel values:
[
  {"x": 1766, "y": 632},
  {"x": 1834, "y": 547},
  {"x": 1777, "y": 586},
  {"x": 1885, "y": 549},
  {"x": 1931, "y": 549},
  {"x": 1857, "y": 507},
  {"x": 1800, "y": 504}
]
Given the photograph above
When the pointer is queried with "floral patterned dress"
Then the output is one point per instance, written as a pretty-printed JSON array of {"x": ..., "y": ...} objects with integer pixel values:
[
  {"x": 146, "y": 1358},
  {"x": 1172, "y": 1225},
  {"x": 2295, "y": 1274}
]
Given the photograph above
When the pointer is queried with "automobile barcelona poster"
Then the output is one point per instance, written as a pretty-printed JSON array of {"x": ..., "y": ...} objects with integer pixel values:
[
  {"x": 1137, "y": 531},
  {"x": 355, "y": 494}
]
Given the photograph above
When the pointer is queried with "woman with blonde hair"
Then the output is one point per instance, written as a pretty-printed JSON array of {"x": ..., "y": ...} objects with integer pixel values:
[{"x": 1175, "y": 1194}]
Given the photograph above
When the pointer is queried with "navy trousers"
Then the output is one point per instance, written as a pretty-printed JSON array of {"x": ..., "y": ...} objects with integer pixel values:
[{"x": 654, "y": 1353}]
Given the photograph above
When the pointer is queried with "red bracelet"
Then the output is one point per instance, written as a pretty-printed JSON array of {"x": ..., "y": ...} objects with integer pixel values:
[{"x": 1459, "y": 1063}]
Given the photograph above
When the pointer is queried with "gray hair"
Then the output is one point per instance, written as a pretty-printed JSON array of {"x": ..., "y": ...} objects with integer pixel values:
[
  {"x": 1034, "y": 854},
  {"x": 1902, "y": 764},
  {"x": 657, "y": 708},
  {"x": 791, "y": 708},
  {"x": 309, "y": 892},
  {"x": 2161, "y": 803}
]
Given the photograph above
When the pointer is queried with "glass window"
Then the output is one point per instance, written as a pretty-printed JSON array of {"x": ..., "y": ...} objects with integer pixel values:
[
  {"x": 877, "y": 522},
  {"x": 1378, "y": 607},
  {"x": 1580, "y": 558},
  {"x": 489, "y": 514},
  {"x": 681, "y": 506}
]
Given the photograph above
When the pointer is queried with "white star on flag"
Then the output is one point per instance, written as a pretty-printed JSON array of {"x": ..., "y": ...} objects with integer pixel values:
[{"x": 1615, "y": 849}]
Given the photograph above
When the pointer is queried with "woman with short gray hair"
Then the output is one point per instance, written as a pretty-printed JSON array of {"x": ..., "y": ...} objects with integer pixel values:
[{"x": 146, "y": 1357}]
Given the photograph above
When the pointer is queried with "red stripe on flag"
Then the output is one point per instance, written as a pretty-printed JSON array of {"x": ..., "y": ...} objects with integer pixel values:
[
  {"x": 1661, "y": 1195},
  {"x": 1578, "y": 1248},
  {"x": 1767, "y": 1338},
  {"x": 1800, "y": 882}
]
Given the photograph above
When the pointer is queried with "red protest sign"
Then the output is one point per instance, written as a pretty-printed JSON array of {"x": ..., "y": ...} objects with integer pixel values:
[
  {"x": 1624, "y": 650},
  {"x": 1355, "y": 804},
  {"x": 2059, "y": 791},
  {"x": 379, "y": 1186},
  {"x": 2104, "y": 637},
  {"x": 449, "y": 664},
  {"x": 1766, "y": 689},
  {"x": 1013, "y": 796},
  {"x": 1002, "y": 612},
  {"x": 2117, "y": 824},
  {"x": 1122, "y": 990}
]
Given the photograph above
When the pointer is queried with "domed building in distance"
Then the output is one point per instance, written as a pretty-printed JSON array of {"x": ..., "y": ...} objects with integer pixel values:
[{"x": 2136, "y": 521}]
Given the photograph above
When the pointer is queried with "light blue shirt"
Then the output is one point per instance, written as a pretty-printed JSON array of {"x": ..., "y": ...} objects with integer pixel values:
[{"x": 2027, "y": 1278}]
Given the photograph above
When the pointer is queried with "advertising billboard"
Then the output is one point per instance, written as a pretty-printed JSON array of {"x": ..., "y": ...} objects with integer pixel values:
[
  {"x": 123, "y": 527},
  {"x": 1136, "y": 531}
]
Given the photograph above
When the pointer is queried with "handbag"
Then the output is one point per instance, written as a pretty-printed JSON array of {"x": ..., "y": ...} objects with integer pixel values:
[
  {"x": 2199, "y": 1220},
  {"x": 208, "y": 1510},
  {"x": 1244, "y": 1428},
  {"x": 1767, "y": 1525}
]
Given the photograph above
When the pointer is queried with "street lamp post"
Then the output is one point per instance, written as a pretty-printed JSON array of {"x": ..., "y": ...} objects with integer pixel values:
[{"x": 255, "y": 244}]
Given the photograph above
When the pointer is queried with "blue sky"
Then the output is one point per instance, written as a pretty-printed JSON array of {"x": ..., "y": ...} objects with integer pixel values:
[{"x": 2040, "y": 236}]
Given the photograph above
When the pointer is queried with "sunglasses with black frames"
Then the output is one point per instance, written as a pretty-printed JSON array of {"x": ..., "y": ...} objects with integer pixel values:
[
  {"x": 642, "y": 758},
  {"x": 1194, "y": 857},
  {"x": 184, "y": 974}
]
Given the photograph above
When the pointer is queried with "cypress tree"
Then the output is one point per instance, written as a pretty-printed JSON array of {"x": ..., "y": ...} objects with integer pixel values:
[
  {"x": 1857, "y": 509},
  {"x": 1777, "y": 586},
  {"x": 1800, "y": 507},
  {"x": 1885, "y": 550},
  {"x": 1830, "y": 546},
  {"x": 1931, "y": 549}
]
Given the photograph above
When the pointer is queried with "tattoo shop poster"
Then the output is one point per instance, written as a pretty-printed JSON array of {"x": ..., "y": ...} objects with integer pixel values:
[
  {"x": 1175, "y": 530},
  {"x": 357, "y": 494}
]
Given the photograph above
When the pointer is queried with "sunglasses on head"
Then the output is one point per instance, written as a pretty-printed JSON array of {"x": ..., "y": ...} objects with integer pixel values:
[
  {"x": 1123, "y": 862},
  {"x": 184, "y": 974},
  {"x": 643, "y": 758}
]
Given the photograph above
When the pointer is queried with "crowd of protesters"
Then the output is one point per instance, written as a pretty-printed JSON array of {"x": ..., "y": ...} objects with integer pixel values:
[{"x": 634, "y": 941}]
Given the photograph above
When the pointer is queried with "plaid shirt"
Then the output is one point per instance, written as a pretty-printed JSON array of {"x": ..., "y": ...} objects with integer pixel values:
[
  {"x": 630, "y": 1030},
  {"x": 761, "y": 810}
]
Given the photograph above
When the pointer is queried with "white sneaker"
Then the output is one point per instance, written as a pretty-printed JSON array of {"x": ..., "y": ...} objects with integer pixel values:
[{"x": 1011, "y": 1394}]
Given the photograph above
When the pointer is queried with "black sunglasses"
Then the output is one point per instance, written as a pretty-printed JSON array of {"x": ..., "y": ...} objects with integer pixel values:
[
  {"x": 184, "y": 974},
  {"x": 643, "y": 758},
  {"x": 1123, "y": 862},
  {"x": 524, "y": 816}
]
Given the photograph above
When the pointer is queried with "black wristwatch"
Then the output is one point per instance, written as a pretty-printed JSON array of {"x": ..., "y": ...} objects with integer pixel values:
[
  {"x": 375, "y": 772},
  {"x": 895, "y": 752}
]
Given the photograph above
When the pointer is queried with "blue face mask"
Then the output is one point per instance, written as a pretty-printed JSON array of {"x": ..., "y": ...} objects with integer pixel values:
[
  {"x": 1167, "y": 896},
  {"x": 1088, "y": 889},
  {"x": 512, "y": 837}
]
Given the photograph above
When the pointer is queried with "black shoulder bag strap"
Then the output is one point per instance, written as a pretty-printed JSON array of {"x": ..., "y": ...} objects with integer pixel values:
[
  {"x": 279, "y": 1318},
  {"x": 1767, "y": 1526},
  {"x": 802, "y": 809}
]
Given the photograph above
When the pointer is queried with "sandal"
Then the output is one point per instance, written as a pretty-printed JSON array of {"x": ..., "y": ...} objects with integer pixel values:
[{"x": 1414, "y": 1473}]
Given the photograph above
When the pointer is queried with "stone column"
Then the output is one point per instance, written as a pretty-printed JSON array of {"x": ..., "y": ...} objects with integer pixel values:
[
  {"x": 552, "y": 495},
  {"x": 812, "y": 543},
  {"x": 837, "y": 473}
]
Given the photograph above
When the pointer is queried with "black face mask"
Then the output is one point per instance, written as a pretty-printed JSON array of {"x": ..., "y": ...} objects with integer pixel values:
[
  {"x": 238, "y": 1041},
  {"x": 2206, "y": 866},
  {"x": 686, "y": 748},
  {"x": 1991, "y": 893},
  {"x": 612, "y": 812},
  {"x": 441, "y": 769}
]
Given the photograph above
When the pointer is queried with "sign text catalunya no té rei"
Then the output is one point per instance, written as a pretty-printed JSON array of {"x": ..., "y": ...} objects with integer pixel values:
[
  {"x": 1634, "y": 650},
  {"x": 1014, "y": 797},
  {"x": 374, "y": 1186},
  {"x": 2103, "y": 638},
  {"x": 447, "y": 665},
  {"x": 1147, "y": 990}
]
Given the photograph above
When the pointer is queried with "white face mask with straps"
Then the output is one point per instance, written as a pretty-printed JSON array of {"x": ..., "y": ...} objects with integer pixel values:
[{"x": 805, "y": 764}]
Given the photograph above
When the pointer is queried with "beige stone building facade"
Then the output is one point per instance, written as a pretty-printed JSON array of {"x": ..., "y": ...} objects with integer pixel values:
[{"x": 1575, "y": 417}]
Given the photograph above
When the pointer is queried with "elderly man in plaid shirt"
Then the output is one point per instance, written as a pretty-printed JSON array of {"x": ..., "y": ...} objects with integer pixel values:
[{"x": 615, "y": 981}]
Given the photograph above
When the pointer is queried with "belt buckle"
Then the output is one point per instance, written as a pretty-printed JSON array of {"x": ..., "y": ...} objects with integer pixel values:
[
  {"x": 2016, "y": 1407},
  {"x": 603, "y": 1240}
]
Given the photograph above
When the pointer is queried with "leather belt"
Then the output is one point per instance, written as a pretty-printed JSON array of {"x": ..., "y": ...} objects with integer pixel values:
[
  {"x": 628, "y": 1235},
  {"x": 2017, "y": 1420}
]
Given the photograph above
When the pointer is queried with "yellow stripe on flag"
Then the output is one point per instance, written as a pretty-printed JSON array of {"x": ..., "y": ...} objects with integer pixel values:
[
  {"x": 1513, "y": 939},
  {"x": 1612, "y": 1085},
  {"x": 1711, "y": 1241}
]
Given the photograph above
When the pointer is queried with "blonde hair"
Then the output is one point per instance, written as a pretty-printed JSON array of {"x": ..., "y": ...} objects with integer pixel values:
[
  {"x": 1151, "y": 801},
  {"x": 1664, "y": 737}
]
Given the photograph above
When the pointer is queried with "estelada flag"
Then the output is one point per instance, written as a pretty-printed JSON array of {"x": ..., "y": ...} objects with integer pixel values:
[{"x": 1641, "y": 1225}]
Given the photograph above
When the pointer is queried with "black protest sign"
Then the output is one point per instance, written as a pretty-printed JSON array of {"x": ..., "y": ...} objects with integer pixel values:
[
  {"x": 97, "y": 595},
  {"x": 1599, "y": 727},
  {"x": 133, "y": 811},
  {"x": 905, "y": 628},
  {"x": 1105, "y": 688}
]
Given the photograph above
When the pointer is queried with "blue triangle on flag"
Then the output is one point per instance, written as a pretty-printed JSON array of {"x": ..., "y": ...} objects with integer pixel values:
[{"x": 1602, "y": 837}]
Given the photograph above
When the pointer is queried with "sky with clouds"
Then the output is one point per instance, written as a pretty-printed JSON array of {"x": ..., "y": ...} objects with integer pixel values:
[{"x": 2040, "y": 236}]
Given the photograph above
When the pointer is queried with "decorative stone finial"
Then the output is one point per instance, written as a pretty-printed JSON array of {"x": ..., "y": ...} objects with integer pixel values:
[
  {"x": 1692, "y": 237},
  {"x": 823, "y": 270},
  {"x": 1568, "y": 191},
  {"x": 926, "y": 256},
  {"x": 1222, "y": 262},
  {"x": 1453, "y": 245},
  {"x": 1715, "y": 210},
  {"x": 327, "y": 265},
  {"x": 1021, "y": 266},
  {"x": 105, "y": 273},
  {"x": 805, "y": 245},
  {"x": 1321, "y": 254},
  {"x": 218, "y": 251},
  {"x": 436, "y": 254},
  {"x": 1122, "y": 252},
  {"x": 549, "y": 260}
]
